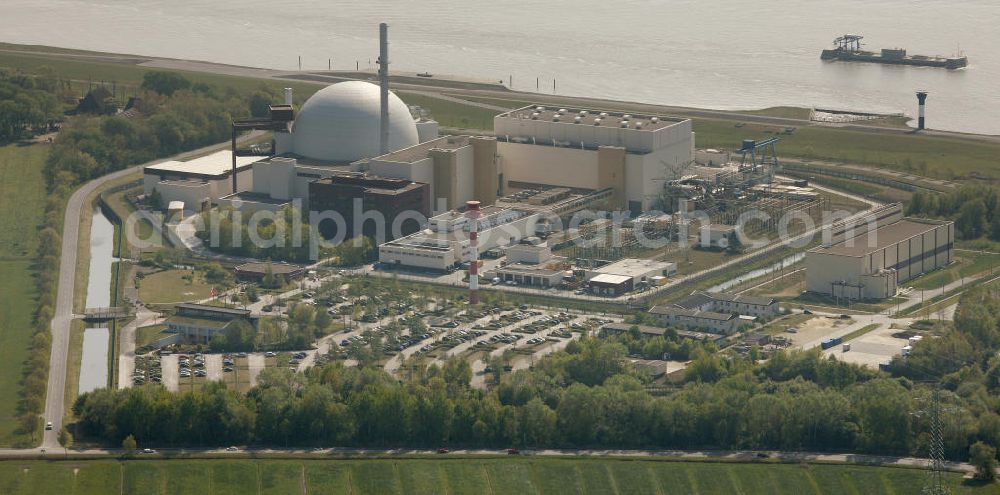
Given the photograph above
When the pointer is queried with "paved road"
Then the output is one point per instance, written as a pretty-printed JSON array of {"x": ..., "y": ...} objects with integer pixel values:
[{"x": 55, "y": 406}]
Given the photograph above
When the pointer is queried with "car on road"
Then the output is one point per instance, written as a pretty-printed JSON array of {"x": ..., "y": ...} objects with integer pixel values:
[
  {"x": 513, "y": 452},
  {"x": 443, "y": 450},
  {"x": 48, "y": 425},
  {"x": 148, "y": 451},
  {"x": 232, "y": 449}
]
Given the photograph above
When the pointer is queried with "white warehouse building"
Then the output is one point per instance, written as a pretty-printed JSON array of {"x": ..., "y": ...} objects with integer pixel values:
[
  {"x": 632, "y": 154},
  {"x": 445, "y": 243}
]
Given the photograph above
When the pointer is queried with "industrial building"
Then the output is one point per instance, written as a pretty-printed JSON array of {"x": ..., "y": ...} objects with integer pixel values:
[
  {"x": 445, "y": 243},
  {"x": 721, "y": 323},
  {"x": 196, "y": 183},
  {"x": 872, "y": 264},
  {"x": 638, "y": 270},
  {"x": 359, "y": 199},
  {"x": 256, "y": 272},
  {"x": 200, "y": 322},
  {"x": 722, "y": 302},
  {"x": 457, "y": 169},
  {"x": 630, "y": 154}
]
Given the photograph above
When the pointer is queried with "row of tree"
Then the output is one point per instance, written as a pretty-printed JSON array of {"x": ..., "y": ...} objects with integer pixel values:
[
  {"x": 28, "y": 104},
  {"x": 975, "y": 208},
  {"x": 585, "y": 396},
  {"x": 172, "y": 115}
]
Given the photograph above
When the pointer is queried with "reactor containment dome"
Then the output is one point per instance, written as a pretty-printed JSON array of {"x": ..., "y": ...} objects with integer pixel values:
[{"x": 341, "y": 123}]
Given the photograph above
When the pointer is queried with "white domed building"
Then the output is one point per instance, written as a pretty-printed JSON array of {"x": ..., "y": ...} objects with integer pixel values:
[{"x": 340, "y": 124}]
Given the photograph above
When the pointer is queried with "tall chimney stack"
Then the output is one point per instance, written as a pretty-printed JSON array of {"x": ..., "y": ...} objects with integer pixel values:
[
  {"x": 288, "y": 96},
  {"x": 922, "y": 99},
  {"x": 383, "y": 81},
  {"x": 472, "y": 212}
]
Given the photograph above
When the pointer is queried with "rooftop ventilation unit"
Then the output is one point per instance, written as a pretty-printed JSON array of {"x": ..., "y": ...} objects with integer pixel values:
[
  {"x": 577, "y": 120},
  {"x": 638, "y": 125},
  {"x": 583, "y": 113},
  {"x": 654, "y": 120},
  {"x": 604, "y": 114},
  {"x": 624, "y": 124},
  {"x": 540, "y": 108},
  {"x": 534, "y": 116},
  {"x": 562, "y": 111},
  {"x": 597, "y": 121},
  {"x": 555, "y": 118}
]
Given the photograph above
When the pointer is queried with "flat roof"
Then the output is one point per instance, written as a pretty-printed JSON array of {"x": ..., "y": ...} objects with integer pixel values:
[
  {"x": 371, "y": 183},
  {"x": 881, "y": 238},
  {"x": 255, "y": 197},
  {"x": 218, "y": 164},
  {"x": 201, "y": 322},
  {"x": 607, "y": 278},
  {"x": 213, "y": 309},
  {"x": 608, "y": 118},
  {"x": 422, "y": 150},
  {"x": 634, "y": 267},
  {"x": 522, "y": 269}
]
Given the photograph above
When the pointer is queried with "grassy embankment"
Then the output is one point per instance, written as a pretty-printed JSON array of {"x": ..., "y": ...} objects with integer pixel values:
[
  {"x": 22, "y": 188},
  {"x": 460, "y": 476}
]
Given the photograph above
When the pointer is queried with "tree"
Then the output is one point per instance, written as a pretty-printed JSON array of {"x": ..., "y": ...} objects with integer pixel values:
[
  {"x": 984, "y": 458},
  {"x": 129, "y": 444},
  {"x": 65, "y": 438},
  {"x": 164, "y": 83}
]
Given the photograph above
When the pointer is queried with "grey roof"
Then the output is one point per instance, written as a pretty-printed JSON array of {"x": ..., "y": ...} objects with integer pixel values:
[
  {"x": 690, "y": 313},
  {"x": 881, "y": 237},
  {"x": 740, "y": 298},
  {"x": 698, "y": 299}
]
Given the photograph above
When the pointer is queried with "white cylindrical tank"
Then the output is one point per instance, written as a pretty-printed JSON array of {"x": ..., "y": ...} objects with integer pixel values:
[{"x": 288, "y": 96}]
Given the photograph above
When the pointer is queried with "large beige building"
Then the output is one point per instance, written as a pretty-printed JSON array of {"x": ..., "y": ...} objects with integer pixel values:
[
  {"x": 199, "y": 182},
  {"x": 869, "y": 266},
  {"x": 457, "y": 169},
  {"x": 632, "y": 154}
]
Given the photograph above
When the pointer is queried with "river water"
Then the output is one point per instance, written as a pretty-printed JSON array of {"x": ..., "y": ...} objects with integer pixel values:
[
  {"x": 94, "y": 363},
  {"x": 725, "y": 54}
]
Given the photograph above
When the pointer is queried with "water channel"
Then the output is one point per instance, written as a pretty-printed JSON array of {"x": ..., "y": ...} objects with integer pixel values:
[
  {"x": 96, "y": 338},
  {"x": 781, "y": 265}
]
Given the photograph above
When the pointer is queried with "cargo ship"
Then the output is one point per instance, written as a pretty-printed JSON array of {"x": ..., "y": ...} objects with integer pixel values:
[{"x": 848, "y": 48}]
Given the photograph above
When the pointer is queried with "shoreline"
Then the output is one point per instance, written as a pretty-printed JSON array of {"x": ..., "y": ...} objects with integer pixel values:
[{"x": 459, "y": 85}]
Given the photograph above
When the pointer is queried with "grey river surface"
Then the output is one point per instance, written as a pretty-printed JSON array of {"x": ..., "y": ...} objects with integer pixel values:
[
  {"x": 724, "y": 54},
  {"x": 94, "y": 364}
]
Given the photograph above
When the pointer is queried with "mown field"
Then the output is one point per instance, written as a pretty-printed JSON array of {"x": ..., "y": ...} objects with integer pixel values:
[
  {"x": 458, "y": 476},
  {"x": 22, "y": 188}
]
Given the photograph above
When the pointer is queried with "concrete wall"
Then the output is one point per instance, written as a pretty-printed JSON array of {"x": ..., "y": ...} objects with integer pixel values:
[
  {"x": 417, "y": 258},
  {"x": 551, "y": 165},
  {"x": 484, "y": 162},
  {"x": 275, "y": 177},
  {"x": 611, "y": 172},
  {"x": 193, "y": 194}
]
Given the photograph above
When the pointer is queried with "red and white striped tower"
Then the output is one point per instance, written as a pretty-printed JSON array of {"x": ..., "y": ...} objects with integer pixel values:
[{"x": 472, "y": 213}]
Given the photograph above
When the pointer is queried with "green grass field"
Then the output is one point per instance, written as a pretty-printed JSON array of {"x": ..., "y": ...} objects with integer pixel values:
[
  {"x": 167, "y": 287},
  {"x": 458, "y": 476},
  {"x": 22, "y": 188},
  {"x": 966, "y": 264}
]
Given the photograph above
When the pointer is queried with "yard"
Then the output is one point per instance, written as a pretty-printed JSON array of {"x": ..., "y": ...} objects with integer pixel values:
[
  {"x": 967, "y": 263},
  {"x": 170, "y": 287}
]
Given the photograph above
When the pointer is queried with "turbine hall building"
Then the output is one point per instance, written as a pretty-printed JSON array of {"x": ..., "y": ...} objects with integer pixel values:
[{"x": 871, "y": 265}]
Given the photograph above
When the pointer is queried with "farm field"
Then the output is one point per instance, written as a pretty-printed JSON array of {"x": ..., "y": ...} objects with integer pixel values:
[
  {"x": 458, "y": 476},
  {"x": 23, "y": 188}
]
